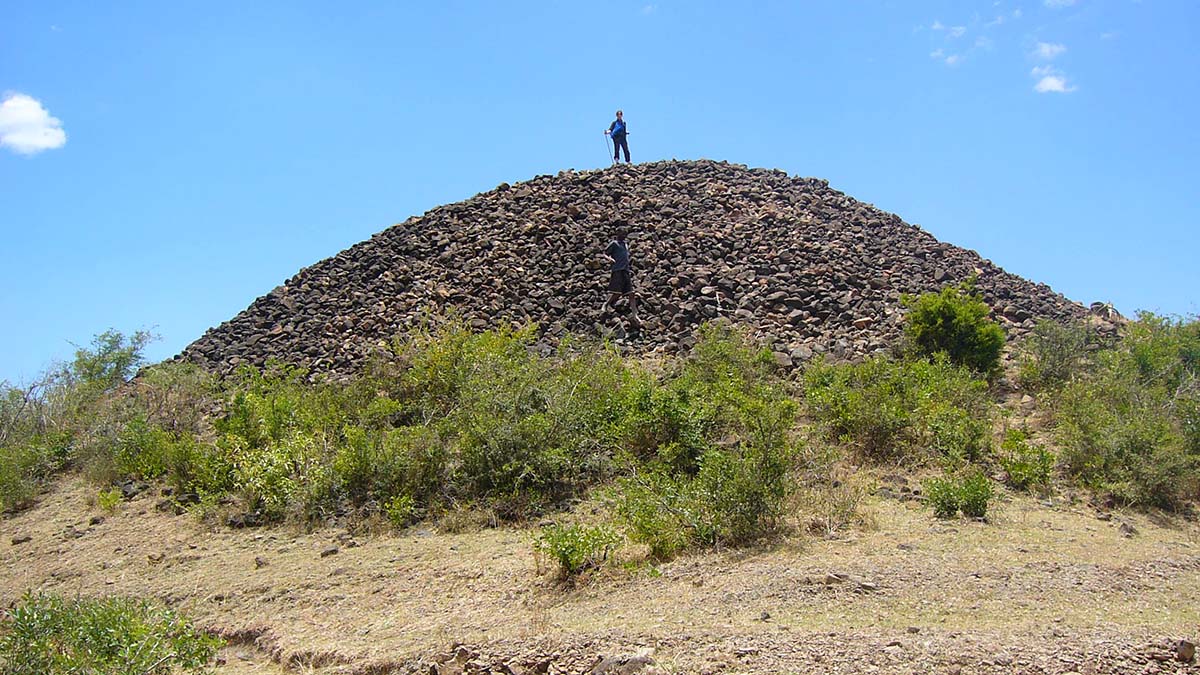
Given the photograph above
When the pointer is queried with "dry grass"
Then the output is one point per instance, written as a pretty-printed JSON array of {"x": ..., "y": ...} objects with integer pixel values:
[{"x": 386, "y": 598}]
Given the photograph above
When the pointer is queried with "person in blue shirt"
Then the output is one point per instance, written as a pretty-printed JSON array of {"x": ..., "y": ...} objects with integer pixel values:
[
  {"x": 618, "y": 131},
  {"x": 621, "y": 281}
]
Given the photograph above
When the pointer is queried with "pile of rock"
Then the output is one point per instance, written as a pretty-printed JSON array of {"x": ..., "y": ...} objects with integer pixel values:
[{"x": 804, "y": 267}]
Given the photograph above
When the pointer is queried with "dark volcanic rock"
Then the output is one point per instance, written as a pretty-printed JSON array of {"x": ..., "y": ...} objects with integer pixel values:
[{"x": 804, "y": 267}]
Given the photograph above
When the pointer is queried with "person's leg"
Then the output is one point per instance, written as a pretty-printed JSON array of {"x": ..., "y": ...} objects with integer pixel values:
[
  {"x": 625, "y": 147},
  {"x": 633, "y": 307}
]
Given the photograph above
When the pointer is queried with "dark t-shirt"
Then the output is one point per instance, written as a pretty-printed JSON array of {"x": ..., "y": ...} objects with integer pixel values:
[{"x": 619, "y": 252}]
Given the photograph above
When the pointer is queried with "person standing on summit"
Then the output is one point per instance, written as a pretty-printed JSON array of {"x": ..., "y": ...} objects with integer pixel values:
[{"x": 618, "y": 131}]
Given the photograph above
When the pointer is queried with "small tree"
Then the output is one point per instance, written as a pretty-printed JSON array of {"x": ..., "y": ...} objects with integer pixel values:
[
  {"x": 113, "y": 359},
  {"x": 955, "y": 322}
]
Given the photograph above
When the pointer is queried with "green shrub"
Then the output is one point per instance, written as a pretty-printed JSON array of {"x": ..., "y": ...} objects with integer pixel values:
[
  {"x": 1051, "y": 355},
  {"x": 27, "y": 464},
  {"x": 524, "y": 432},
  {"x": 109, "y": 500},
  {"x": 401, "y": 511},
  {"x": 970, "y": 492},
  {"x": 142, "y": 450},
  {"x": 974, "y": 493},
  {"x": 886, "y": 408},
  {"x": 710, "y": 446},
  {"x": 736, "y": 497},
  {"x": 205, "y": 468},
  {"x": 1027, "y": 464},
  {"x": 1128, "y": 427},
  {"x": 111, "y": 362},
  {"x": 955, "y": 322},
  {"x": 943, "y": 495},
  {"x": 576, "y": 548},
  {"x": 50, "y": 635},
  {"x": 44, "y": 427},
  {"x": 274, "y": 477}
]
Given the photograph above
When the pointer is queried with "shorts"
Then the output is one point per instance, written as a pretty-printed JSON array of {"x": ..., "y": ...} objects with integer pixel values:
[{"x": 621, "y": 282}]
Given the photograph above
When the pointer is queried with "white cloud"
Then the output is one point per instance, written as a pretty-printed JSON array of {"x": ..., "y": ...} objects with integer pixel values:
[
  {"x": 1053, "y": 84},
  {"x": 1051, "y": 81},
  {"x": 957, "y": 31},
  {"x": 937, "y": 25},
  {"x": 1017, "y": 13},
  {"x": 1111, "y": 35},
  {"x": 984, "y": 42},
  {"x": 26, "y": 127},
  {"x": 649, "y": 9},
  {"x": 1059, "y": 4},
  {"x": 1048, "y": 50},
  {"x": 995, "y": 22},
  {"x": 940, "y": 54}
]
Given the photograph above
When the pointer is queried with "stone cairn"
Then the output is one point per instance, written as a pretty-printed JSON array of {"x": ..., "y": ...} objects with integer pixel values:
[{"x": 804, "y": 267}]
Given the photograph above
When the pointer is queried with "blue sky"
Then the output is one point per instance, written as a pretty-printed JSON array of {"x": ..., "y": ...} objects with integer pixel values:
[{"x": 163, "y": 164}]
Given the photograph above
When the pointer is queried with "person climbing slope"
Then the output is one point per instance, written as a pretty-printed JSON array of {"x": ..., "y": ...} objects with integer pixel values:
[
  {"x": 621, "y": 281},
  {"x": 618, "y": 130}
]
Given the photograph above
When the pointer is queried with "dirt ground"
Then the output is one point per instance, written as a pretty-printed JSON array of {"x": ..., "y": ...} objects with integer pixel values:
[{"x": 1044, "y": 587}]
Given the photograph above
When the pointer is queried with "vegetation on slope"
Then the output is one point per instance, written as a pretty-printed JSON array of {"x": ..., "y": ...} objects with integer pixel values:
[{"x": 714, "y": 449}]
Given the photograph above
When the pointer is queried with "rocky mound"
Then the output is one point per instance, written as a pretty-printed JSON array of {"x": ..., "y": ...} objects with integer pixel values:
[{"x": 804, "y": 266}]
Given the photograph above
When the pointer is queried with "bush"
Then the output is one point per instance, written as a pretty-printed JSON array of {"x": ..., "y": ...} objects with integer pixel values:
[
  {"x": 46, "y": 426},
  {"x": 1027, "y": 464},
  {"x": 1129, "y": 428},
  {"x": 1051, "y": 355},
  {"x": 719, "y": 474},
  {"x": 49, "y": 635},
  {"x": 970, "y": 492},
  {"x": 886, "y": 408},
  {"x": 525, "y": 432},
  {"x": 25, "y": 465},
  {"x": 974, "y": 493},
  {"x": 109, "y": 500},
  {"x": 954, "y": 322},
  {"x": 576, "y": 548},
  {"x": 737, "y": 497},
  {"x": 943, "y": 495}
]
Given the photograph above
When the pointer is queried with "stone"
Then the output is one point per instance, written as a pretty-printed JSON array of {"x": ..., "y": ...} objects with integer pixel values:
[
  {"x": 21, "y": 539},
  {"x": 329, "y": 550},
  {"x": 781, "y": 256},
  {"x": 622, "y": 665},
  {"x": 1127, "y": 530},
  {"x": 1185, "y": 651}
]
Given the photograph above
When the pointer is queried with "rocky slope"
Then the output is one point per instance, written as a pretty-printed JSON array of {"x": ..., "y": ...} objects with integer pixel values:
[{"x": 804, "y": 266}]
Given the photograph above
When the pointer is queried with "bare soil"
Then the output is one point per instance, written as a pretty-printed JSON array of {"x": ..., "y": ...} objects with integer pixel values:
[{"x": 1044, "y": 587}]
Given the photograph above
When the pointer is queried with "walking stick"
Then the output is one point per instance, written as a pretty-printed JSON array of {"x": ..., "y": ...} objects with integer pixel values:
[{"x": 608, "y": 146}]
